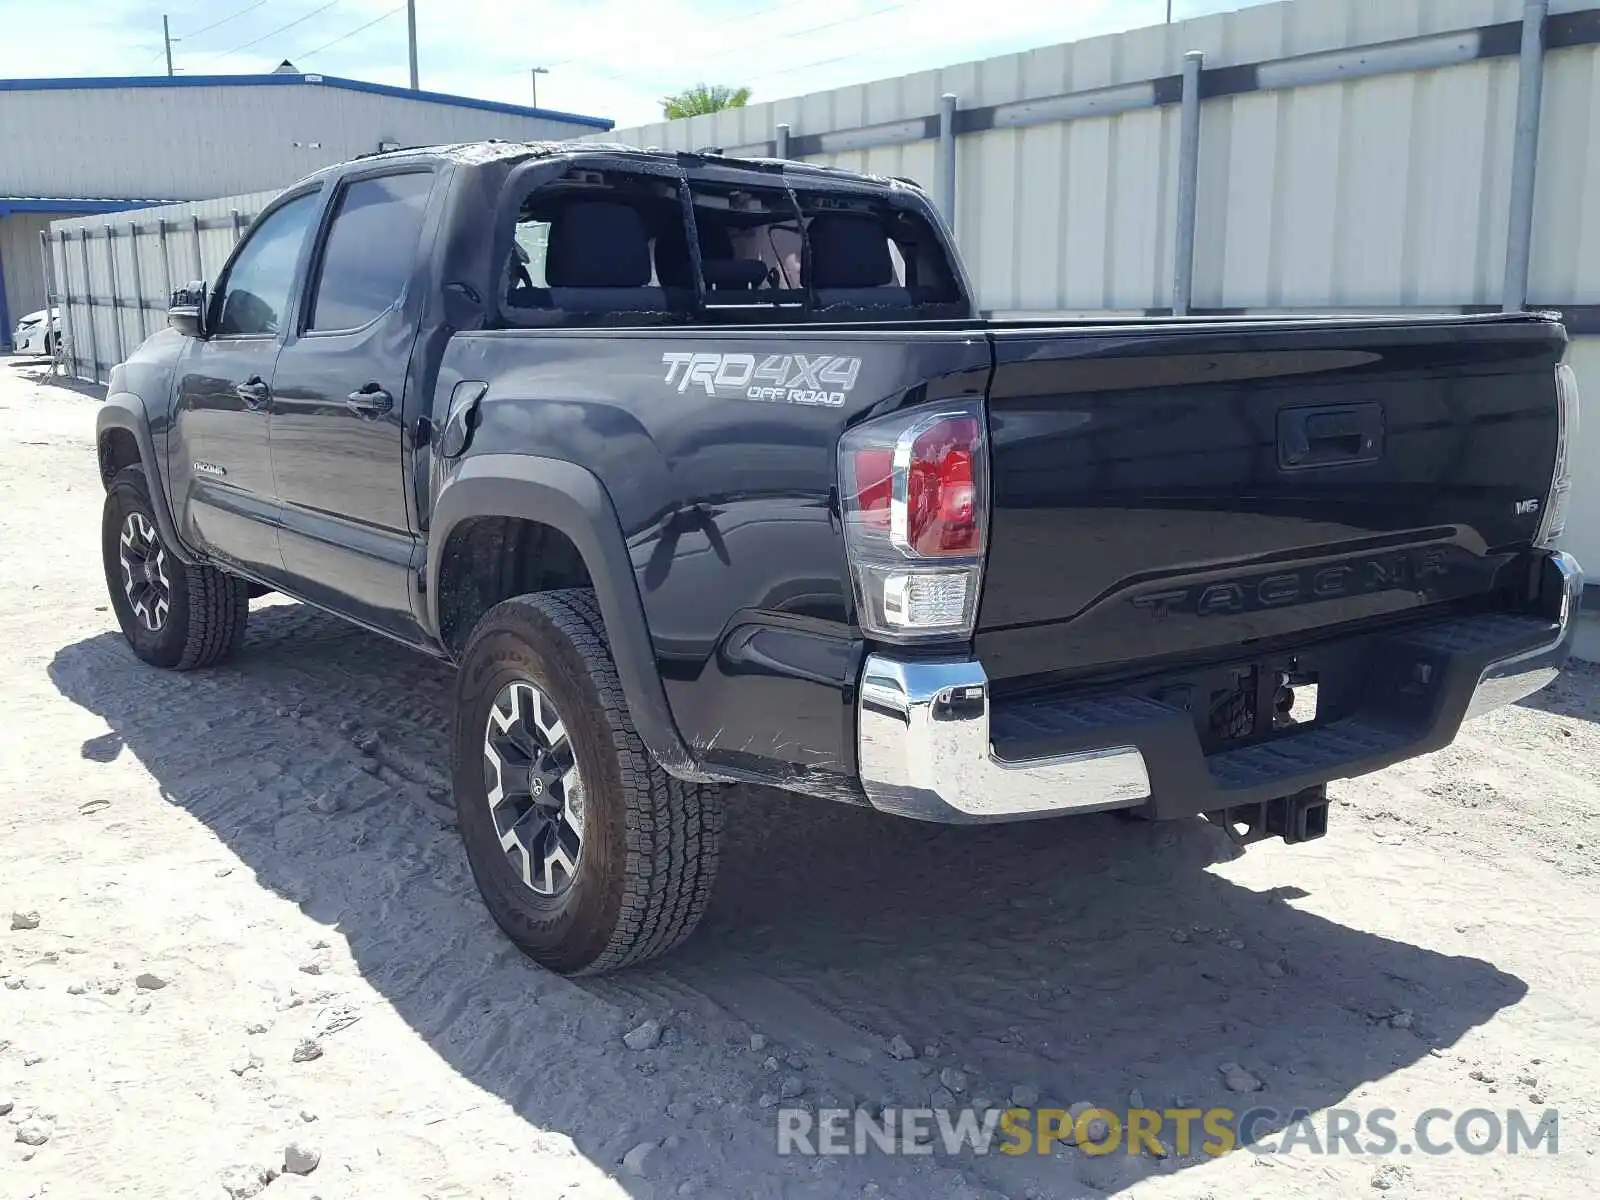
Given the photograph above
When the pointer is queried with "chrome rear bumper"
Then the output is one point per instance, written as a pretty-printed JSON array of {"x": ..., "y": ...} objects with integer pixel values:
[
  {"x": 1507, "y": 680},
  {"x": 923, "y": 747},
  {"x": 925, "y": 750}
]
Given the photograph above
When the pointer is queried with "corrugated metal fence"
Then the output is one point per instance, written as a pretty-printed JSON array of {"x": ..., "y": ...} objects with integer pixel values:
[
  {"x": 1340, "y": 154},
  {"x": 1350, "y": 153},
  {"x": 1345, "y": 154},
  {"x": 113, "y": 276}
]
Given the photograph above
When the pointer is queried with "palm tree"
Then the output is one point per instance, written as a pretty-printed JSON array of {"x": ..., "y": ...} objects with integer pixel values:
[{"x": 703, "y": 98}]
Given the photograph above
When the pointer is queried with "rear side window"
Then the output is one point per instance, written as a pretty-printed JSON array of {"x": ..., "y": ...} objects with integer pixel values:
[
  {"x": 532, "y": 248},
  {"x": 749, "y": 245},
  {"x": 870, "y": 255},
  {"x": 587, "y": 249},
  {"x": 371, "y": 250},
  {"x": 597, "y": 245}
]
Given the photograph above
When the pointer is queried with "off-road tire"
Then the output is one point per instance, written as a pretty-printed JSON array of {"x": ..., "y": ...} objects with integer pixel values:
[
  {"x": 208, "y": 609},
  {"x": 649, "y": 840}
]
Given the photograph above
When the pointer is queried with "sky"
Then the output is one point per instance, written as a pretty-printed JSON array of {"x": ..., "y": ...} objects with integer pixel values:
[{"x": 610, "y": 58}]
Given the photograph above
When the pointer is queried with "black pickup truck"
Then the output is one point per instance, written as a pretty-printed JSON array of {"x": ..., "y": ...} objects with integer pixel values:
[{"x": 705, "y": 470}]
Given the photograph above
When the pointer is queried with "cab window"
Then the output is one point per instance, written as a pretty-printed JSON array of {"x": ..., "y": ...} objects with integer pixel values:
[
  {"x": 256, "y": 292},
  {"x": 371, "y": 250}
]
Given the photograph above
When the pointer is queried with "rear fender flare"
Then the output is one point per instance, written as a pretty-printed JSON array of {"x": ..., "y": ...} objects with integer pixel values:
[
  {"x": 569, "y": 498},
  {"x": 126, "y": 411}
]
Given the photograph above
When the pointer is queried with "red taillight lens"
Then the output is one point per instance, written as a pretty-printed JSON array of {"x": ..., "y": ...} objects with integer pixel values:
[
  {"x": 874, "y": 484},
  {"x": 942, "y": 491},
  {"x": 913, "y": 500}
]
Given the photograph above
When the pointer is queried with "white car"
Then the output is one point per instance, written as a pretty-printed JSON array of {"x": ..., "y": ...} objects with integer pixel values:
[{"x": 33, "y": 336}]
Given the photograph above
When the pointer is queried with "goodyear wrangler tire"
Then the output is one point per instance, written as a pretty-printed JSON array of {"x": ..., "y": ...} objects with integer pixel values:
[
  {"x": 589, "y": 856},
  {"x": 174, "y": 616}
]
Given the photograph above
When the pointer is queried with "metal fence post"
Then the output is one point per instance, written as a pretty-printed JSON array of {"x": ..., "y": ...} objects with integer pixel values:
[
  {"x": 166, "y": 263},
  {"x": 116, "y": 291},
  {"x": 199, "y": 264},
  {"x": 138, "y": 284},
  {"x": 1525, "y": 156},
  {"x": 238, "y": 224},
  {"x": 88, "y": 304},
  {"x": 52, "y": 302},
  {"x": 947, "y": 159},
  {"x": 1188, "y": 184},
  {"x": 70, "y": 325},
  {"x": 781, "y": 141}
]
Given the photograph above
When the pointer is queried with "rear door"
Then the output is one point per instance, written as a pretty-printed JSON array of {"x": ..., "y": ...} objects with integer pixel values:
[
  {"x": 219, "y": 454},
  {"x": 338, "y": 416},
  {"x": 1178, "y": 490}
]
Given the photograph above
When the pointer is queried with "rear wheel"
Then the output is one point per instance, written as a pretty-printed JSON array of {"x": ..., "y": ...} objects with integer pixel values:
[
  {"x": 588, "y": 854},
  {"x": 174, "y": 616}
]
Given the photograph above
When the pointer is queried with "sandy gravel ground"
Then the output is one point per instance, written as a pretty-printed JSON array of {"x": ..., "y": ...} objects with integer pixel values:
[{"x": 271, "y": 842}]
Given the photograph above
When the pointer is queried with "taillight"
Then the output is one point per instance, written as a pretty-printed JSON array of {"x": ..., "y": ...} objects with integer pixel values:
[
  {"x": 941, "y": 509},
  {"x": 915, "y": 504},
  {"x": 1556, "y": 503},
  {"x": 875, "y": 470}
]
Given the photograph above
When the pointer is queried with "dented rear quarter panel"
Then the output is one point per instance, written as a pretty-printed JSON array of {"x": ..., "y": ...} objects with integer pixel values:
[{"x": 724, "y": 481}]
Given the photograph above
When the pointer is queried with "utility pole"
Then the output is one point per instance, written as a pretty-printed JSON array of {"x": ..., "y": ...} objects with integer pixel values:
[
  {"x": 411, "y": 33},
  {"x": 1169, "y": 12},
  {"x": 533, "y": 77},
  {"x": 166, "y": 37}
]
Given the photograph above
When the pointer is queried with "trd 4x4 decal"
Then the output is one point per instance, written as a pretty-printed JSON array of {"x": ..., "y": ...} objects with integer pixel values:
[{"x": 824, "y": 379}]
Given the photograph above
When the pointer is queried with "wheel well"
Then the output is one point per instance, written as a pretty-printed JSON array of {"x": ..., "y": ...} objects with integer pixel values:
[
  {"x": 490, "y": 559},
  {"x": 117, "y": 450}
]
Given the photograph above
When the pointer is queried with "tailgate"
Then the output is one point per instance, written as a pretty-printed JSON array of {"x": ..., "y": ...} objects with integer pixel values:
[{"x": 1171, "y": 489}]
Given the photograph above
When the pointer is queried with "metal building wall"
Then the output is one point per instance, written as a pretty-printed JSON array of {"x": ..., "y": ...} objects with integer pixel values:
[
  {"x": 185, "y": 141},
  {"x": 1384, "y": 184},
  {"x": 204, "y": 136},
  {"x": 19, "y": 254}
]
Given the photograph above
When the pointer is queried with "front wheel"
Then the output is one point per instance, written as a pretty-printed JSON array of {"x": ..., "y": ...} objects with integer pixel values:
[
  {"x": 589, "y": 856},
  {"x": 174, "y": 616}
]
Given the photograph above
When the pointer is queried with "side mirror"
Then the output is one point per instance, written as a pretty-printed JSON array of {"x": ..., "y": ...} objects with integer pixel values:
[{"x": 187, "y": 313}]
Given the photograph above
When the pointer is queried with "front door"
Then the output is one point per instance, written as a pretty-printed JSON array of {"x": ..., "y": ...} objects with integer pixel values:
[
  {"x": 220, "y": 462},
  {"x": 338, "y": 413}
]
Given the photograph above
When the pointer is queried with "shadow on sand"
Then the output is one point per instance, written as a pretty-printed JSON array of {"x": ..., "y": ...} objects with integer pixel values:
[{"x": 1086, "y": 957}]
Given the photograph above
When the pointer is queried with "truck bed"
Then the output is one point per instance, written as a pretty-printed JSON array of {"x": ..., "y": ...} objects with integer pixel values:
[{"x": 1144, "y": 519}]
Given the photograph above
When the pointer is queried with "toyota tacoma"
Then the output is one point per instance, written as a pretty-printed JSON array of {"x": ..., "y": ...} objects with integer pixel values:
[{"x": 704, "y": 470}]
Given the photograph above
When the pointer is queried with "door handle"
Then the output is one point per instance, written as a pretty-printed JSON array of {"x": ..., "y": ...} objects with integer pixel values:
[
  {"x": 253, "y": 391},
  {"x": 370, "y": 401}
]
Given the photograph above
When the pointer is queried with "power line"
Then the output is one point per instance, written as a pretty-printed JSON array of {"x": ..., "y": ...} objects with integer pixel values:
[
  {"x": 822, "y": 62},
  {"x": 740, "y": 47},
  {"x": 579, "y": 60},
  {"x": 734, "y": 45},
  {"x": 867, "y": 16},
  {"x": 281, "y": 29},
  {"x": 346, "y": 37},
  {"x": 207, "y": 29},
  {"x": 764, "y": 13}
]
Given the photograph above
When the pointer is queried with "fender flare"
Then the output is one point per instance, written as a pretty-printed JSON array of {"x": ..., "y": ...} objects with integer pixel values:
[
  {"x": 569, "y": 498},
  {"x": 126, "y": 411}
]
